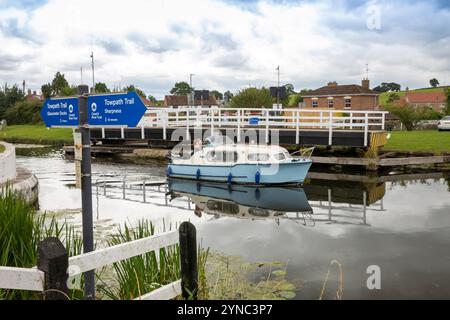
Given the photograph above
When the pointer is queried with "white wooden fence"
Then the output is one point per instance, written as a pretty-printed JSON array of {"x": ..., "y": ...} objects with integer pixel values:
[{"x": 33, "y": 279}]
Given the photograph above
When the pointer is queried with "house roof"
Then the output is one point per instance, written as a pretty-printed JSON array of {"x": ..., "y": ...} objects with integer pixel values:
[
  {"x": 424, "y": 97},
  {"x": 174, "y": 100},
  {"x": 147, "y": 103},
  {"x": 346, "y": 89}
]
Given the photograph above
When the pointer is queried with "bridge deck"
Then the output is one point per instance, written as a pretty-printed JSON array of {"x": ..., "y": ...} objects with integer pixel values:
[{"x": 155, "y": 135}]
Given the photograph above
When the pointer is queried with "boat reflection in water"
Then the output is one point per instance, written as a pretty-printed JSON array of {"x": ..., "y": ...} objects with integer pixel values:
[
  {"x": 335, "y": 202},
  {"x": 241, "y": 201}
]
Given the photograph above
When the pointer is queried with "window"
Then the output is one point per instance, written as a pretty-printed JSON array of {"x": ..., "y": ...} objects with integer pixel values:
[
  {"x": 347, "y": 103},
  {"x": 258, "y": 157},
  {"x": 279, "y": 156},
  {"x": 330, "y": 103},
  {"x": 223, "y": 207},
  {"x": 222, "y": 156},
  {"x": 315, "y": 103}
]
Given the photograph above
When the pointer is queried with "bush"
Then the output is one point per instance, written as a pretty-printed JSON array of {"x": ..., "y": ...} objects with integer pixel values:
[
  {"x": 410, "y": 116},
  {"x": 24, "y": 112},
  {"x": 252, "y": 98}
]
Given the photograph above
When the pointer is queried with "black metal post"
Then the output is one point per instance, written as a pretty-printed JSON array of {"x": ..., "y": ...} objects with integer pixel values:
[
  {"x": 53, "y": 260},
  {"x": 86, "y": 188},
  {"x": 188, "y": 257}
]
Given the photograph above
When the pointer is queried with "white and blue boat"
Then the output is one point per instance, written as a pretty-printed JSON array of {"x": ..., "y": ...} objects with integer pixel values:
[{"x": 241, "y": 164}]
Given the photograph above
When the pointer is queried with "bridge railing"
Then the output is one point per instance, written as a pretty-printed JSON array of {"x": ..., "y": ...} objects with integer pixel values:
[{"x": 267, "y": 119}]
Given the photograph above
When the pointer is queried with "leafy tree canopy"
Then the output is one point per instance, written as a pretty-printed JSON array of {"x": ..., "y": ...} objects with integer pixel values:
[
  {"x": 434, "y": 82},
  {"x": 46, "y": 90},
  {"x": 387, "y": 86},
  {"x": 181, "y": 88},
  {"x": 217, "y": 94},
  {"x": 131, "y": 88},
  {"x": 9, "y": 97},
  {"x": 59, "y": 82},
  {"x": 227, "y": 96},
  {"x": 252, "y": 98},
  {"x": 101, "y": 87},
  {"x": 410, "y": 116}
]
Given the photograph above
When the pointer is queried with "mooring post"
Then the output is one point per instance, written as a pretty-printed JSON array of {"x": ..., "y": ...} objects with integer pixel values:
[
  {"x": 86, "y": 188},
  {"x": 123, "y": 187},
  {"x": 143, "y": 189},
  {"x": 188, "y": 258},
  {"x": 53, "y": 260}
]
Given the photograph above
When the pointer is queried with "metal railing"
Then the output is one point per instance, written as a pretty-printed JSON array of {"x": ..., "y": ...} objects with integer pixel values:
[{"x": 265, "y": 119}]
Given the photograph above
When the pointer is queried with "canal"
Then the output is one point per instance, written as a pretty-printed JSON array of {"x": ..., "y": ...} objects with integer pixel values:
[{"x": 399, "y": 223}]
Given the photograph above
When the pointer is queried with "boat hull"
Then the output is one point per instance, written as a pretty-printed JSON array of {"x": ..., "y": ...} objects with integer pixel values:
[{"x": 260, "y": 174}]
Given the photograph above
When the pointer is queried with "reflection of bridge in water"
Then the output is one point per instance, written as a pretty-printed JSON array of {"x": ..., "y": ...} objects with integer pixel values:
[{"x": 325, "y": 198}]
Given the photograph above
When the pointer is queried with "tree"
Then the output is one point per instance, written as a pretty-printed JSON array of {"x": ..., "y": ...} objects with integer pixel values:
[
  {"x": 24, "y": 112},
  {"x": 9, "y": 97},
  {"x": 294, "y": 100},
  {"x": 218, "y": 95},
  {"x": 131, "y": 88},
  {"x": 59, "y": 82},
  {"x": 252, "y": 98},
  {"x": 152, "y": 98},
  {"x": 411, "y": 116},
  {"x": 181, "y": 88},
  {"x": 387, "y": 86},
  {"x": 227, "y": 96},
  {"x": 434, "y": 82},
  {"x": 100, "y": 87},
  {"x": 392, "y": 97},
  {"x": 289, "y": 89},
  {"x": 68, "y": 91},
  {"x": 46, "y": 90}
]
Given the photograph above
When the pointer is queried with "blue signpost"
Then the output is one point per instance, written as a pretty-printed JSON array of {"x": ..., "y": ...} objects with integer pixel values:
[
  {"x": 60, "y": 112},
  {"x": 117, "y": 109},
  {"x": 123, "y": 109}
]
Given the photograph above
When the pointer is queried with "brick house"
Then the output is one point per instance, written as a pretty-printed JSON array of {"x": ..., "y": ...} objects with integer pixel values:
[
  {"x": 342, "y": 97},
  {"x": 435, "y": 100},
  {"x": 182, "y": 101}
]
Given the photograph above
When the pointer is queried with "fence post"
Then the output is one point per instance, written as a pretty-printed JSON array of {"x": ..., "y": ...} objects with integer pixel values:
[
  {"x": 53, "y": 260},
  {"x": 188, "y": 258}
]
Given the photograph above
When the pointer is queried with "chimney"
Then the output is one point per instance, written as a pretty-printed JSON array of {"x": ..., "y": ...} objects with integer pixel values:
[
  {"x": 332, "y": 84},
  {"x": 365, "y": 83}
]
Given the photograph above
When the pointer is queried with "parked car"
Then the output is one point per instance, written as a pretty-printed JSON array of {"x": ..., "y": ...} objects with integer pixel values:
[{"x": 444, "y": 123}]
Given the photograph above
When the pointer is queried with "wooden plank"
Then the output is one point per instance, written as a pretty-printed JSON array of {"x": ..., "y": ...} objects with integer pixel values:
[
  {"x": 21, "y": 279},
  {"x": 169, "y": 291},
  {"x": 99, "y": 258},
  {"x": 412, "y": 160},
  {"x": 343, "y": 160}
]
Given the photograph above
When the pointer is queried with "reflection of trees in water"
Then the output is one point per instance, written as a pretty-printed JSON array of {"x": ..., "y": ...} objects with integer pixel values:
[{"x": 406, "y": 183}]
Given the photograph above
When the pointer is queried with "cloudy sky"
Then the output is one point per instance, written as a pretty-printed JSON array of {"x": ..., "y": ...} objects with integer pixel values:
[{"x": 227, "y": 44}]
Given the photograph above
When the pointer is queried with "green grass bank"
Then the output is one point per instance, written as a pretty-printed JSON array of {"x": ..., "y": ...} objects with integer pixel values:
[
  {"x": 419, "y": 141},
  {"x": 36, "y": 134}
]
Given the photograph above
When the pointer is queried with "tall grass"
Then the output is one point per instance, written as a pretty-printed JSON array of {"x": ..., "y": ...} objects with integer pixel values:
[
  {"x": 144, "y": 273},
  {"x": 21, "y": 230}
]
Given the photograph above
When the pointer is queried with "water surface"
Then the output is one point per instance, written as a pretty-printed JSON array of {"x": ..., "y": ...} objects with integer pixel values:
[{"x": 399, "y": 223}]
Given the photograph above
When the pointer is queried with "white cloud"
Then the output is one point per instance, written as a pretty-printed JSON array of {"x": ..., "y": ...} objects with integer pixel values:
[{"x": 152, "y": 44}]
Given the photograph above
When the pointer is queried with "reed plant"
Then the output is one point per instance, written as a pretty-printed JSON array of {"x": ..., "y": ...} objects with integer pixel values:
[
  {"x": 139, "y": 275},
  {"x": 21, "y": 230}
]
